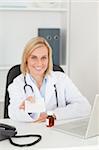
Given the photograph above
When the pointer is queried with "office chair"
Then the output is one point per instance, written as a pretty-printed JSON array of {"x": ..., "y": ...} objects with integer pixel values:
[{"x": 12, "y": 73}]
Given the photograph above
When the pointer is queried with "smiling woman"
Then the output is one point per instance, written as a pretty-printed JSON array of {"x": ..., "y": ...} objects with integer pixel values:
[
  {"x": 37, "y": 51},
  {"x": 38, "y": 83}
]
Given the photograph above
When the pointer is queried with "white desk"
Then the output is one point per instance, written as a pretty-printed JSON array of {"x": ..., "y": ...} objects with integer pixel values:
[{"x": 50, "y": 137}]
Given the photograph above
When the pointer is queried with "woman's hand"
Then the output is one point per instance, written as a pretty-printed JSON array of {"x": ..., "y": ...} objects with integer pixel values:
[
  {"x": 22, "y": 105},
  {"x": 29, "y": 98},
  {"x": 42, "y": 117}
]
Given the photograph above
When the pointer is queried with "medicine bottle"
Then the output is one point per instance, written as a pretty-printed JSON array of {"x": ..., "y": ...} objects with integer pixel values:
[{"x": 50, "y": 119}]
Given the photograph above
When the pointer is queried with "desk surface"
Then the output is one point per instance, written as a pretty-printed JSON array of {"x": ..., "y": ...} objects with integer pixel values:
[{"x": 50, "y": 137}]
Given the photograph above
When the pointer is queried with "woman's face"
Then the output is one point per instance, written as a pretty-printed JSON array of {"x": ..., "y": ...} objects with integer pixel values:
[{"x": 38, "y": 61}]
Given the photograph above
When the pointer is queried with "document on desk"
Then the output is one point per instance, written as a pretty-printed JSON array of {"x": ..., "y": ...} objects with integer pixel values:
[{"x": 36, "y": 107}]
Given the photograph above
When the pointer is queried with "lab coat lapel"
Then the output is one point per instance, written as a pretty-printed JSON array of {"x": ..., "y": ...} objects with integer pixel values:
[{"x": 49, "y": 88}]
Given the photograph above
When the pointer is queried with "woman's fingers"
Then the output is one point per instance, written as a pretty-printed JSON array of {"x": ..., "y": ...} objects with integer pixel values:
[
  {"x": 22, "y": 105},
  {"x": 42, "y": 117},
  {"x": 31, "y": 99}
]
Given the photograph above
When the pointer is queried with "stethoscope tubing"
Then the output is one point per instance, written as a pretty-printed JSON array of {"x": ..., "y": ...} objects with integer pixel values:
[
  {"x": 56, "y": 95},
  {"x": 27, "y": 85}
]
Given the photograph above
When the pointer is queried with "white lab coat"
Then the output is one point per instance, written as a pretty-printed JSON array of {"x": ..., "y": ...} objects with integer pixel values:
[{"x": 66, "y": 90}]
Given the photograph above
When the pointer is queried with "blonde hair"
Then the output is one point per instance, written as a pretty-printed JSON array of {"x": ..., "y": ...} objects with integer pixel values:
[{"x": 30, "y": 47}]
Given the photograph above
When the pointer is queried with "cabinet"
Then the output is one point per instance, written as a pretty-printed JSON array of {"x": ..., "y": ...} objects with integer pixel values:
[{"x": 19, "y": 23}]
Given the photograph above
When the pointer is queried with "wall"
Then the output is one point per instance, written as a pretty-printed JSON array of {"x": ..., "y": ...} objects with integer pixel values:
[
  {"x": 16, "y": 28},
  {"x": 98, "y": 49},
  {"x": 19, "y": 26},
  {"x": 84, "y": 46}
]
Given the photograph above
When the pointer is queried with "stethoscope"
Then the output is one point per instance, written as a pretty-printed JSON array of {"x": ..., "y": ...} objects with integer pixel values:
[{"x": 27, "y": 85}]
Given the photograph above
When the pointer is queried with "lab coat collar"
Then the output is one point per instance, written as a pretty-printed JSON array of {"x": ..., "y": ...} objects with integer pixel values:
[
  {"x": 51, "y": 80},
  {"x": 35, "y": 88}
]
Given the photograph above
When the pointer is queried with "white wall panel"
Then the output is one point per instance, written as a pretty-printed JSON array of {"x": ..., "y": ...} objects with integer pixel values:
[{"x": 84, "y": 46}]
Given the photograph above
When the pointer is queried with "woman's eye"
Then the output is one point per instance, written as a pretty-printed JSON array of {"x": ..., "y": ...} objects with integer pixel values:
[
  {"x": 33, "y": 57},
  {"x": 43, "y": 58}
]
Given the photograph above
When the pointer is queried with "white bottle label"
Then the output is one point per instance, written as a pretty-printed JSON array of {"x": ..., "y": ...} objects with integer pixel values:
[{"x": 47, "y": 122}]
